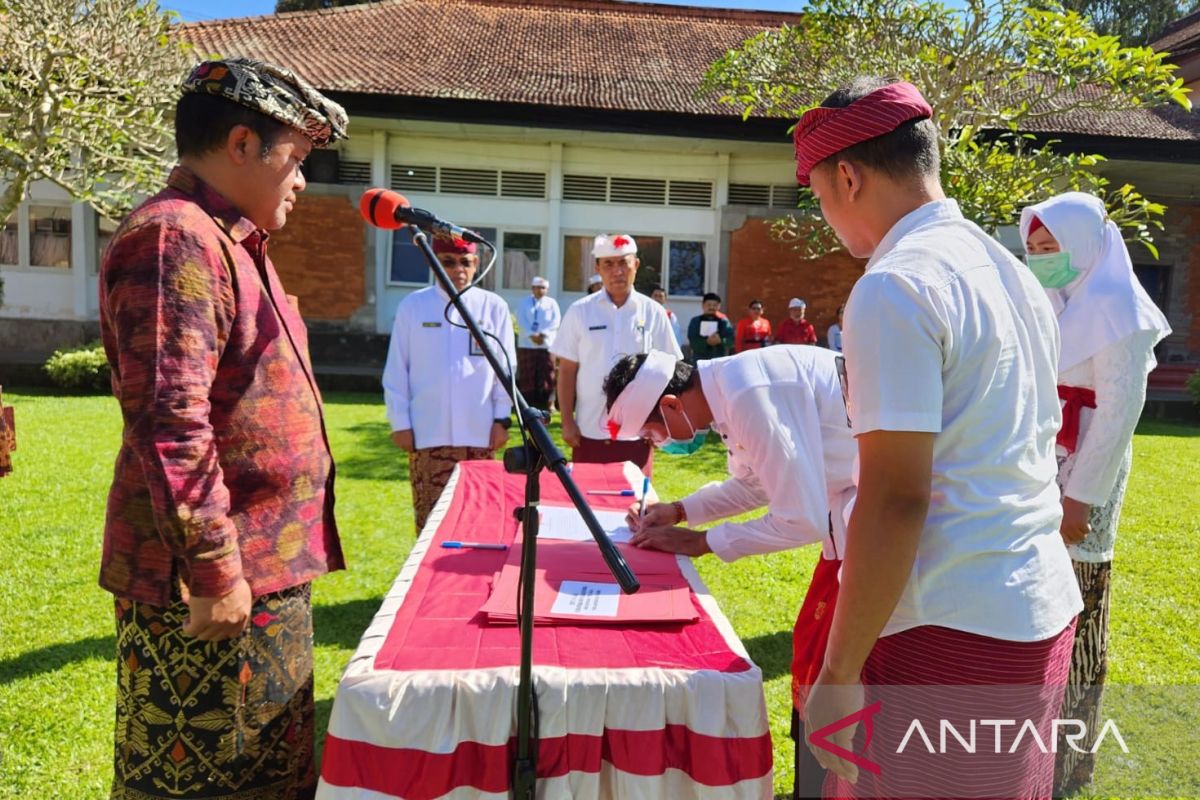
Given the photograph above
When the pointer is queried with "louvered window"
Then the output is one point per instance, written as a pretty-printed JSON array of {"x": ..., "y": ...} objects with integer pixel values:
[
  {"x": 523, "y": 184},
  {"x": 354, "y": 172},
  {"x": 749, "y": 194},
  {"x": 785, "y": 196},
  {"x": 639, "y": 191},
  {"x": 697, "y": 194},
  {"x": 414, "y": 179},
  {"x": 585, "y": 187},
  {"x": 468, "y": 181}
]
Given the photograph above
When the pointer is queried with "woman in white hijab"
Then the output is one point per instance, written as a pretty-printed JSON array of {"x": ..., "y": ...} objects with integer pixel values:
[{"x": 1109, "y": 330}]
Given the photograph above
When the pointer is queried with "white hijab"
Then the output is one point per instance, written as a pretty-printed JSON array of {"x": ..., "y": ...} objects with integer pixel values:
[{"x": 1106, "y": 303}]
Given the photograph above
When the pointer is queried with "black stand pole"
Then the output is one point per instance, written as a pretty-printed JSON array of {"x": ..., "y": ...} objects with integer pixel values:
[{"x": 541, "y": 451}]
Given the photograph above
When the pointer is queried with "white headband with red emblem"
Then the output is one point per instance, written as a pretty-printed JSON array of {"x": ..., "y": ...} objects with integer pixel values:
[
  {"x": 638, "y": 399},
  {"x": 605, "y": 246}
]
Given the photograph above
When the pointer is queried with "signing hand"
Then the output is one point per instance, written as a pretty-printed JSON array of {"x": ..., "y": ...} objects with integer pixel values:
[
  {"x": 684, "y": 541},
  {"x": 212, "y": 619},
  {"x": 1075, "y": 526},
  {"x": 830, "y": 700},
  {"x": 403, "y": 440},
  {"x": 714, "y": 339},
  {"x": 657, "y": 515}
]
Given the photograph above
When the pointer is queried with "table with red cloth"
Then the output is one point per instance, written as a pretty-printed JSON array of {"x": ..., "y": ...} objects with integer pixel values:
[{"x": 427, "y": 706}]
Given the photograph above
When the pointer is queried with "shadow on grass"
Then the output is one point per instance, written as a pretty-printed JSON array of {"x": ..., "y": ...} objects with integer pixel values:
[
  {"x": 54, "y": 657},
  {"x": 374, "y": 456},
  {"x": 342, "y": 624},
  {"x": 1154, "y": 427},
  {"x": 772, "y": 652},
  {"x": 323, "y": 708}
]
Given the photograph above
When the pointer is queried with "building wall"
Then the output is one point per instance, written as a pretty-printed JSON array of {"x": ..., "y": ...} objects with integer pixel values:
[
  {"x": 321, "y": 255},
  {"x": 763, "y": 268},
  {"x": 1185, "y": 310}
]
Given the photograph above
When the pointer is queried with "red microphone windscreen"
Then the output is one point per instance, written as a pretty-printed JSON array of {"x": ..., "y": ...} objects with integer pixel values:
[{"x": 378, "y": 207}]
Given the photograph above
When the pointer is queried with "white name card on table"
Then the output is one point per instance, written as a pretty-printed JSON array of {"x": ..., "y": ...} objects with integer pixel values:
[
  {"x": 587, "y": 599},
  {"x": 566, "y": 523},
  {"x": 708, "y": 327}
]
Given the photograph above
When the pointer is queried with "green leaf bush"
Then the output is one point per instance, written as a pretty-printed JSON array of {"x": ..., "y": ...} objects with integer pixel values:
[
  {"x": 1193, "y": 386},
  {"x": 80, "y": 369}
]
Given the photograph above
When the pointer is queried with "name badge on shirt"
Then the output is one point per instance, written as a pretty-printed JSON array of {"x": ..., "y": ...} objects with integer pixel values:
[
  {"x": 475, "y": 349},
  {"x": 431, "y": 324},
  {"x": 597, "y": 327}
]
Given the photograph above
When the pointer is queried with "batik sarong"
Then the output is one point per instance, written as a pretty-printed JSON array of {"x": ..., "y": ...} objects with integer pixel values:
[
  {"x": 1085, "y": 688},
  {"x": 429, "y": 470},
  {"x": 228, "y": 720}
]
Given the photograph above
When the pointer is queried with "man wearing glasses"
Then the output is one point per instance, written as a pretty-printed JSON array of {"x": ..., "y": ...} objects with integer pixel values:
[
  {"x": 595, "y": 332},
  {"x": 444, "y": 403}
]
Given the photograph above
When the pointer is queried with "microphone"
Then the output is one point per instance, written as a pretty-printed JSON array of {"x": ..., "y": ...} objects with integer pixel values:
[{"x": 384, "y": 208}]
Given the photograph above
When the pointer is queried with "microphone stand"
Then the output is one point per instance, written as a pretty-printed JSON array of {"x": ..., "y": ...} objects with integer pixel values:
[{"x": 539, "y": 452}]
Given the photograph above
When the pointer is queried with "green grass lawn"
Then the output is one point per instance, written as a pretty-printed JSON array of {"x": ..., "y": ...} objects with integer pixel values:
[{"x": 56, "y": 625}]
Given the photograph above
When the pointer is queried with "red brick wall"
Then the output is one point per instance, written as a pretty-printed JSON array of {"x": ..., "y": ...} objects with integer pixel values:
[
  {"x": 321, "y": 256},
  {"x": 764, "y": 268},
  {"x": 1192, "y": 217}
]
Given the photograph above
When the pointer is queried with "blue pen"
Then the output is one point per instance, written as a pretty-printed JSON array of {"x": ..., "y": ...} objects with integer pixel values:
[
  {"x": 613, "y": 492},
  {"x": 645, "y": 491},
  {"x": 474, "y": 546}
]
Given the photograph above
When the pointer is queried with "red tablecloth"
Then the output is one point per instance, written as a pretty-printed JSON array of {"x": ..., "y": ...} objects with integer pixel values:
[{"x": 426, "y": 708}]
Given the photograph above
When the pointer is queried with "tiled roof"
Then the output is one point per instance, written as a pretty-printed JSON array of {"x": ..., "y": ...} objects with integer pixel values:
[
  {"x": 1182, "y": 35},
  {"x": 608, "y": 55},
  {"x": 599, "y": 54}
]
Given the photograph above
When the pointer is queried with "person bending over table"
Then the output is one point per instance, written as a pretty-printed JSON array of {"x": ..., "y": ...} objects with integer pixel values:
[{"x": 782, "y": 416}]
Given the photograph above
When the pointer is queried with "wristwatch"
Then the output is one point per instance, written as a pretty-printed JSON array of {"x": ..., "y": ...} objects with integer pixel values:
[{"x": 505, "y": 422}]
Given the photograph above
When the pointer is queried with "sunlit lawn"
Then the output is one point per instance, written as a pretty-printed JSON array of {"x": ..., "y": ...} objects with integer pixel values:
[{"x": 56, "y": 628}]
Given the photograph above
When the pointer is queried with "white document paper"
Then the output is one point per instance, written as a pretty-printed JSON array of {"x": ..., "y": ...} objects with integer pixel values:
[
  {"x": 708, "y": 327},
  {"x": 587, "y": 599},
  {"x": 565, "y": 522}
]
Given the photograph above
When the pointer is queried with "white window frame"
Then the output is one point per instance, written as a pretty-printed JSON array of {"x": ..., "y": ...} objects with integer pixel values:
[
  {"x": 24, "y": 231},
  {"x": 497, "y": 270},
  {"x": 665, "y": 268}
]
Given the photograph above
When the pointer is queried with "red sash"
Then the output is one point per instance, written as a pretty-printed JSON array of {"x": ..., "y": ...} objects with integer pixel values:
[
  {"x": 810, "y": 636},
  {"x": 1075, "y": 399}
]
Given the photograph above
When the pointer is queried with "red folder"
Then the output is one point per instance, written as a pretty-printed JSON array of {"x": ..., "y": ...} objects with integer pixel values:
[{"x": 665, "y": 595}]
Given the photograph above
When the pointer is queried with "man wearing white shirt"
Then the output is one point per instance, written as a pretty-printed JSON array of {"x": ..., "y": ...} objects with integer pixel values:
[
  {"x": 954, "y": 572},
  {"x": 538, "y": 318},
  {"x": 595, "y": 332},
  {"x": 444, "y": 403},
  {"x": 781, "y": 414}
]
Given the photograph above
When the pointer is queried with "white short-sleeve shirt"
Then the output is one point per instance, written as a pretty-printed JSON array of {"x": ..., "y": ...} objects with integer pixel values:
[
  {"x": 595, "y": 334},
  {"x": 947, "y": 333}
]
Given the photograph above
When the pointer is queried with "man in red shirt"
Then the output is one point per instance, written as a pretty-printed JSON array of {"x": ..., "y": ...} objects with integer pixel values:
[
  {"x": 753, "y": 331},
  {"x": 221, "y": 508},
  {"x": 796, "y": 329}
]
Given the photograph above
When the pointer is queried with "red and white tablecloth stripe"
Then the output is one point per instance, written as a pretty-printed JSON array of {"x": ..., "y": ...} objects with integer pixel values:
[{"x": 426, "y": 708}]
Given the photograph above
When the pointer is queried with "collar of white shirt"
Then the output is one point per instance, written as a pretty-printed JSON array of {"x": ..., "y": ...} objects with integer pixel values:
[{"x": 933, "y": 212}]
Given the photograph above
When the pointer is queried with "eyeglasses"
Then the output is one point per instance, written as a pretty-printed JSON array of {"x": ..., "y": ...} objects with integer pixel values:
[{"x": 450, "y": 262}]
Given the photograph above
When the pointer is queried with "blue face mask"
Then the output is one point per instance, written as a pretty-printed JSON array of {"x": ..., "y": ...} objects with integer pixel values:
[
  {"x": 1053, "y": 270},
  {"x": 684, "y": 447}
]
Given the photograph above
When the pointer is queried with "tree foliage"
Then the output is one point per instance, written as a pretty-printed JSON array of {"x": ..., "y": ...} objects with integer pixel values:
[
  {"x": 309, "y": 5},
  {"x": 86, "y": 89},
  {"x": 992, "y": 71},
  {"x": 1132, "y": 21}
]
